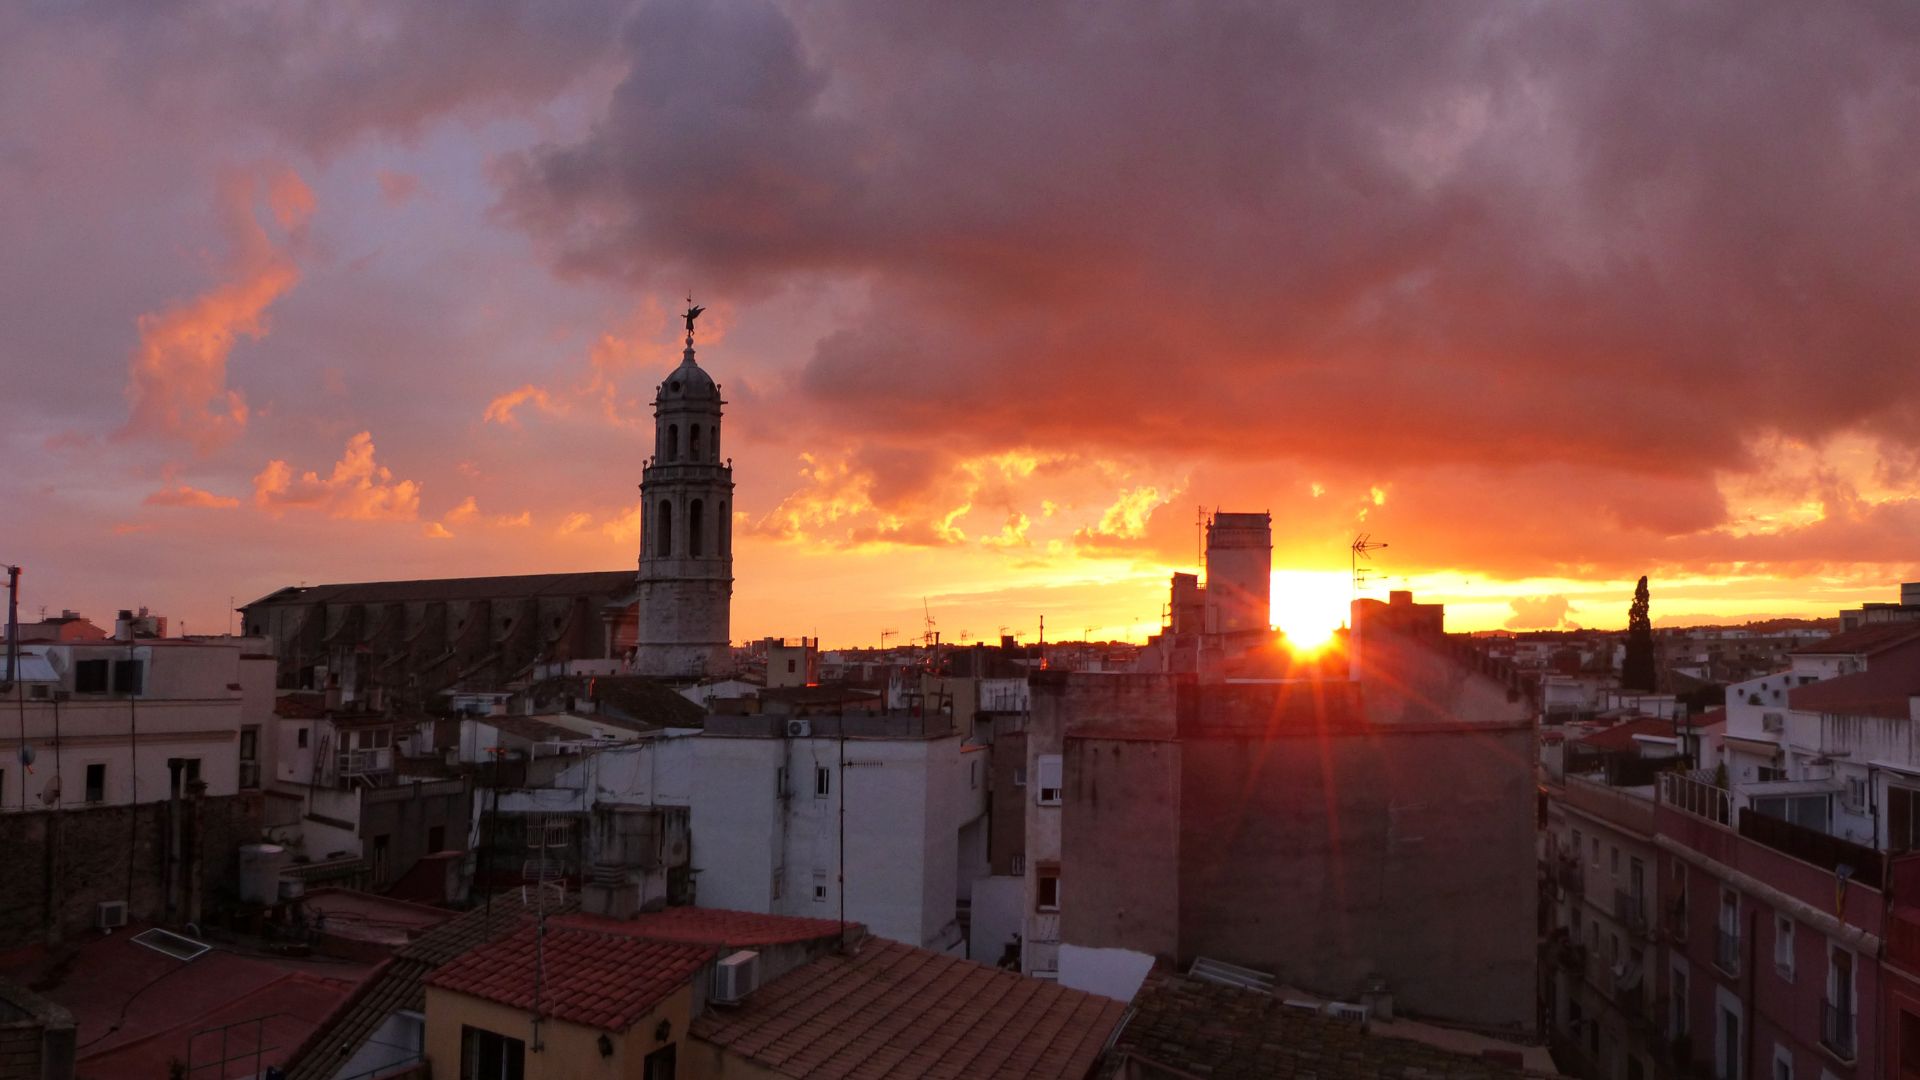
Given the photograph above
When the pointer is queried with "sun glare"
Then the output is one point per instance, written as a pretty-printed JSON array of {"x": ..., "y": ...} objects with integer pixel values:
[{"x": 1309, "y": 605}]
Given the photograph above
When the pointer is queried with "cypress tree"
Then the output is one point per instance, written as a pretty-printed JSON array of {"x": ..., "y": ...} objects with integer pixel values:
[{"x": 1636, "y": 669}]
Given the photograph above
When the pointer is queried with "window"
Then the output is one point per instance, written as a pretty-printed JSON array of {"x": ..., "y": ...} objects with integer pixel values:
[
  {"x": 1595, "y": 843},
  {"x": 790, "y": 667},
  {"x": 382, "y": 737},
  {"x": 696, "y": 523},
  {"x": 726, "y": 531},
  {"x": 663, "y": 531},
  {"x": 1837, "y": 1027},
  {"x": 90, "y": 677},
  {"x": 129, "y": 676},
  {"x": 97, "y": 782},
  {"x": 300, "y": 738},
  {"x": 1782, "y": 1063},
  {"x": 660, "y": 1064},
  {"x": 1727, "y": 955},
  {"x": 1047, "y": 896},
  {"x": 693, "y": 443},
  {"x": 1613, "y": 861},
  {"x": 485, "y": 1055},
  {"x": 1783, "y": 946},
  {"x": 1048, "y": 766},
  {"x": 1019, "y": 862},
  {"x": 1019, "y": 776},
  {"x": 249, "y": 744},
  {"x": 973, "y": 775},
  {"x": 822, "y": 782},
  {"x": 819, "y": 886},
  {"x": 1903, "y": 818},
  {"x": 437, "y": 838},
  {"x": 673, "y": 442}
]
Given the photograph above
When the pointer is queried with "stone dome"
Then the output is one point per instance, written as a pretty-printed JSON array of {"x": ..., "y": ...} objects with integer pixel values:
[{"x": 688, "y": 382}]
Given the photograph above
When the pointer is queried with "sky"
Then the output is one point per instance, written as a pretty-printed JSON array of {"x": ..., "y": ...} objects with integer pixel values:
[{"x": 1544, "y": 296}]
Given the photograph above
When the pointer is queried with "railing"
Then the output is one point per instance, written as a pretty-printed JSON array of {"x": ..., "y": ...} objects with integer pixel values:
[
  {"x": 363, "y": 762},
  {"x": 1836, "y": 1029},
  {"x": 1631, "y": 911},
  {"x": 1696, "y": 797},
  {"x": 1726, "y": 953}
]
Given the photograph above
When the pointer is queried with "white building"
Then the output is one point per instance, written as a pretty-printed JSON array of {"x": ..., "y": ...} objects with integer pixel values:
[
  {"x": 880, "y": 819},
  {"x": 115, "y": 722}
]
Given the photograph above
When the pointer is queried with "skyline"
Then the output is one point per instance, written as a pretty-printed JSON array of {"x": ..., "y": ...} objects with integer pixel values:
[{"x": 1522, "y": 293}]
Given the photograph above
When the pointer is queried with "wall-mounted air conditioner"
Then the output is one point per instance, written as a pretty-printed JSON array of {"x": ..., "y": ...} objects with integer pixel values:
[
  {"x": 736, "y": 976},
  {"x": 111, "y": 914},
  {"x": 799, "y": 729}
]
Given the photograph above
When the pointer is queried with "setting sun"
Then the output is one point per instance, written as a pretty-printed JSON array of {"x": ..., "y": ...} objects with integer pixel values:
[{"x": 1310, "y": 605}]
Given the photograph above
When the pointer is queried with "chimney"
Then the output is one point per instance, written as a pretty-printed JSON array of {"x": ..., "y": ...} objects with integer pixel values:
[{"x": 123, "y": 625}]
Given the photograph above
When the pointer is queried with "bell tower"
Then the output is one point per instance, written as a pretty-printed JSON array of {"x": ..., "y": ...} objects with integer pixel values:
[{"x": 686, "y": 529}]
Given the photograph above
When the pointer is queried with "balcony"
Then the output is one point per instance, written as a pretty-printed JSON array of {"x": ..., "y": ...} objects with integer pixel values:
[
  {"x": 1630, "y": 910},
  {"x": 1573, "y": 877},
  {"x": 1837, "y": 1030},
  {"x": 1726, "y": 953}
]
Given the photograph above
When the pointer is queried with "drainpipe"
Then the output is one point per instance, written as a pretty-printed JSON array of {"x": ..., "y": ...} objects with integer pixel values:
[
  {"x": 196, "y": 828},
  {"x": 174, "y": 768}
]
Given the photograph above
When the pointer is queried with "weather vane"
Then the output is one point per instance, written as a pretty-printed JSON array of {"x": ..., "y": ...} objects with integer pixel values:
[{"x": 692, "y": 314}]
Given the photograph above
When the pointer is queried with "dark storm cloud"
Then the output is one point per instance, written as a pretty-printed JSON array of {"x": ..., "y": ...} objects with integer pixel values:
[{"x": 1622, "y": 236}]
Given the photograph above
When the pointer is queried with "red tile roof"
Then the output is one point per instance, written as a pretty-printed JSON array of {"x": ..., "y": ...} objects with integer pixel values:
[
  {"x": 600, "y": 980},
  {"x": 711, "y": 926},
  {"x": 1882, "y": 690},
  {"x": 1869, "y": 639},
  {"x": 1620, "y": 737},
  {"x": 892, "y": 1010}
]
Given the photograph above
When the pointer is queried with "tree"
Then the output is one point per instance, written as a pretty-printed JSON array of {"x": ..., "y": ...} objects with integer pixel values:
[{"x": 1636, "y": 669}]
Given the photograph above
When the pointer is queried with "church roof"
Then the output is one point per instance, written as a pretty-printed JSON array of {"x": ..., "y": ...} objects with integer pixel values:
[{"x": 516, "y": 586}]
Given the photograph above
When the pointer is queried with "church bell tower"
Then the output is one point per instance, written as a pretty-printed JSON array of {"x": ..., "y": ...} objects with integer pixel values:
[{"x": 686, "y": 529}]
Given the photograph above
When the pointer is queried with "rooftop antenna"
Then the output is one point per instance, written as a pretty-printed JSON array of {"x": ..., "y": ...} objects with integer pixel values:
[
  {"x": 1361, "y": 546},
  {"x": 884, "y": 635}
]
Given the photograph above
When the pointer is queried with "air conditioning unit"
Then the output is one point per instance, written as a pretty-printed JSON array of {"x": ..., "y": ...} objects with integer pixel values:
[
  {"x": 799, "y": 729},
  {"x": 111, "y": 914},
  {"x": 1346, "y": 1010},
  {"x": 735, "y": 977}
]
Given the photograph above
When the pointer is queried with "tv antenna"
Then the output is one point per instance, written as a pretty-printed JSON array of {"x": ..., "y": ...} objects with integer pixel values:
[{"x": 1360, "y": 548}]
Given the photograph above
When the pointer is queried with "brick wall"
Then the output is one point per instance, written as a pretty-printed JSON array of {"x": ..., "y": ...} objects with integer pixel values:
[{"x": 61, "y": 865}]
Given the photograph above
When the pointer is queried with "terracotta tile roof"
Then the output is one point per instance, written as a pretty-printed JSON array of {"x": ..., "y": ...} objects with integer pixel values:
[
  {"x": 1869, "y": 639},
  {"x": 712, "y": 926},
  {"x": 397, "y": 986},
  {"x": 892, "y": 1010},
  {"x": 1620, "y": 737},
  {"x": 601, "y": 980},
  {"x": 1225, "y": 1033}
]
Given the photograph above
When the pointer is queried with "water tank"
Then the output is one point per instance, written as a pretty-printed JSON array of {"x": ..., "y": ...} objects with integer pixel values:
[{"x": 260, "y": 866}]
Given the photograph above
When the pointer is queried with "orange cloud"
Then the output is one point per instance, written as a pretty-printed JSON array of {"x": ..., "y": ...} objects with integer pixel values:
[
  {"x": 177, "y": 380},
  {"x": 500, "y": 409},
  {"x": 358, "y": 488},
  {"x": 185, "y": 495}
]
